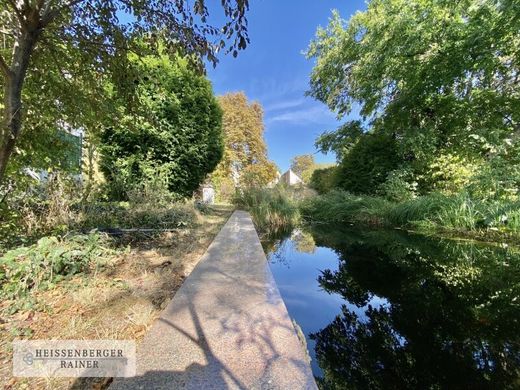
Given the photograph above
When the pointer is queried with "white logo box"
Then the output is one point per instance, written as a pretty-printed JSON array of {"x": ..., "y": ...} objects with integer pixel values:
[{"x": 74, "y": 358}]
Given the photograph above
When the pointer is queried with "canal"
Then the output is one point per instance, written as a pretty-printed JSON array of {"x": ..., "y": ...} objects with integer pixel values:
[{"x": 390, "y": 309}]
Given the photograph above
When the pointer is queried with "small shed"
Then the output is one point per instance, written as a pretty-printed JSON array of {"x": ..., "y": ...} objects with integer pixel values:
[{"x": 208, "y": 194}]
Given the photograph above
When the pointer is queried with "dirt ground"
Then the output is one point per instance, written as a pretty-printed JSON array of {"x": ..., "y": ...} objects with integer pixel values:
[{"x": 119, "y": 302}]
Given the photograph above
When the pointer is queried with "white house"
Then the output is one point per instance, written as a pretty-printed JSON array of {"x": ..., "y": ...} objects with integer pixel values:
[{"x": 290, "y": 178}]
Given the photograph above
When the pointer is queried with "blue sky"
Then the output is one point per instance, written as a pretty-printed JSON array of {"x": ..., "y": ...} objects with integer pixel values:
[{"x": 273, "y": 71}]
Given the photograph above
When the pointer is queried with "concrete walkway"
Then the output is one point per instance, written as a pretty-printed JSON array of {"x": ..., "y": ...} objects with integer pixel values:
[{"x": 227, "y": 326}]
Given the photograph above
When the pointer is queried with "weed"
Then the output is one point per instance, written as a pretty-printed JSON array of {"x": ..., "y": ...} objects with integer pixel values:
[{"x": 52, "y": 259}]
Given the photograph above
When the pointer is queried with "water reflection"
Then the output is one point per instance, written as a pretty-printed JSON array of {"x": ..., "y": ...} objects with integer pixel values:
[{"x": 397, "y": 310}]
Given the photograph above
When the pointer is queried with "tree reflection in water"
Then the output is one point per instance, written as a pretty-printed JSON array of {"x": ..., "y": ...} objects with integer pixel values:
[{"x": 452, "y": 320}]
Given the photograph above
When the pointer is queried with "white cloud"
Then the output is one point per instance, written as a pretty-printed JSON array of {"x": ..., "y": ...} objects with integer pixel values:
[
  {"x": 284, "y": 104},
  {"x": 272, "y": 89},
  {"x": 313, "y": 114}
]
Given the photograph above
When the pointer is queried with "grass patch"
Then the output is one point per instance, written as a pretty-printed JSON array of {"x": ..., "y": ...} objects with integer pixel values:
[
  {"x": 272, "y": 209},
  {"x": 458, "y": 213},
  {"x": 140, "y": 215}
]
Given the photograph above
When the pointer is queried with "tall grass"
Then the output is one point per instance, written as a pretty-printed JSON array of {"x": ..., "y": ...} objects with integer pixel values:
[
  {"x": 272, "y": 209},
  {"x": 458, "y": 212},
  {"x": 417, "y": 209},
  {"x": 341, "y": 206}
]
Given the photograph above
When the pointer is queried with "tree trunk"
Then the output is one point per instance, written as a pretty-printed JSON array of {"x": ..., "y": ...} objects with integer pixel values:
[
  {"x": 14, "y": 80},
  {"x": 12, "y": 121}
]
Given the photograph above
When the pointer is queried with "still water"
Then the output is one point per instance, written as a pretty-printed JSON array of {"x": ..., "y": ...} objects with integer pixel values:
[{"x": 393, "y": 310}]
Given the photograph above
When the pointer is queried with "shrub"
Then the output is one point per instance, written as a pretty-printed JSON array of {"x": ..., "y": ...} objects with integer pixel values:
[
  {"x": 399, "y": 186},
  {"x": 178, "y": 128},
  {"x": 34, "y": 208},
  {"x": 324, "y": 180},
  {"x": 126, "y": 215},
  {"x": 498, "y": 180},
  {"x": 368, "y": 163},
  {"x": 450, "y": 174},
  {"x": 460, "y": 212}
]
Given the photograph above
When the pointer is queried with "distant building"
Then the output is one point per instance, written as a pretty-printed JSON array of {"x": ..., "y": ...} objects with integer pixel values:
[{"x": 290, "y": 178}]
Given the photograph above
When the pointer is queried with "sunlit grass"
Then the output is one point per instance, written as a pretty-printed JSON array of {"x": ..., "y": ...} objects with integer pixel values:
[
  {"x": 272, "y": 210},
  {"x": 434, "y": 212}
]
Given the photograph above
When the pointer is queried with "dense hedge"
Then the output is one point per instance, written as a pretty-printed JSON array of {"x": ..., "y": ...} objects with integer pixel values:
[{"x": 178, "y": 129}]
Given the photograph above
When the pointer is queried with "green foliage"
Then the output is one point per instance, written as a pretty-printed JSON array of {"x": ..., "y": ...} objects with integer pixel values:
[
  {"x": 431, "y": 65},
  {"x": 83, "y": 45},
  {"x": 142, "y": 215},
  {"x": 32, "y": 209},
  {"x": 458, "y": 213},
  {"x": 325, "y": 179},
  {"x": 438, "y": 78},
  {"x": 56, "y": 207},
  {"x": 177, "y": 130},
  {"x": 153, "y": 187},
  {"x": 341, "y": 206},
  {"x": 450, "y": 174},
  {"x": 418, "y": 209},
  {"x": 499, "y": 178},
  {"x": 272, "y": 209},
  {"x": 340, "y": 141},
  {"x": 368, "y": 164},
  {"x": 398, "y": 186},
  {"x": 50, "y": 260}
]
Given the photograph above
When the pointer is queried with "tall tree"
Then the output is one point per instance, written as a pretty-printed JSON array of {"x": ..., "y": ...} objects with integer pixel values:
[
  {"x": 245, "y": 159},
  {"x": 340, "y": 141},
  {"x": 440, "y": 77},
  {"x": 303, "y": 165},
  {"x": 88, "y": 39}
]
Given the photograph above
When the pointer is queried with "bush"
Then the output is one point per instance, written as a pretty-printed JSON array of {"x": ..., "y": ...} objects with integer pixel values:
[
  {"x": 32, "y": 209},
  {"x": 399, "y": 186},
  {"x": 460, "y": 212},
  {"x": 178, "y": 129},
  {"x": 272, "y": 209},
  {"x": 499, "y": 180},
  {"x": 324, "y": 180},
  {"x": 368, "y": 163},
  {"x": 126, "y": 215},
  {"x": 450, "y": 174}
]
